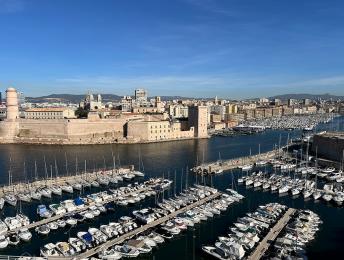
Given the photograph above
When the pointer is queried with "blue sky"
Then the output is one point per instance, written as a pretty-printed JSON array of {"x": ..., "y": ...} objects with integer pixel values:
[{"x": 201, "y": 48}]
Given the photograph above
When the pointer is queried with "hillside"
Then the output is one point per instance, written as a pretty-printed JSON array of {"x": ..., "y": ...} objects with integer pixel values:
[{"x": 309, "y": 96}]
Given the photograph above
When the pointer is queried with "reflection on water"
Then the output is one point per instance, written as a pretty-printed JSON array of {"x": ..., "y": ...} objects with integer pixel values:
[
  {"x": 156, "y": 157},
  {"x": 163, "y": 159}
]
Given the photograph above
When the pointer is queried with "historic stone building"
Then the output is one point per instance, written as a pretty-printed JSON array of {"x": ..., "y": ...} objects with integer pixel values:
[{"x": 124, "y": 128}]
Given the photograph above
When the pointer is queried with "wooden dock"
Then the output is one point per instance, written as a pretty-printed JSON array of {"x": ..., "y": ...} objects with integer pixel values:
[
  {"x": 139, "y": 230},
  {"x": 56, "y": 217},
  {"x": 272, "y": 235}
]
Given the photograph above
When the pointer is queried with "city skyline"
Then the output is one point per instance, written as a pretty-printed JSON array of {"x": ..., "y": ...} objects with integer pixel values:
[{"x": 182, "y": 48}]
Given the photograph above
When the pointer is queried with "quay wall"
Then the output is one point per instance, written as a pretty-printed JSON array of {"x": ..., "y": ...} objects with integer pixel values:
[
  {"x": 79, "y": 132},
  {"x": 234, "y": 163},
  {"x": 330, "y": 145}
]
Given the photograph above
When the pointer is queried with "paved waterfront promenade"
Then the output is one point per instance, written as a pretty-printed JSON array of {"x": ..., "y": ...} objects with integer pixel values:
[
  {"x": 271, "y": 236},
  {"x": 225, "y": 165}
]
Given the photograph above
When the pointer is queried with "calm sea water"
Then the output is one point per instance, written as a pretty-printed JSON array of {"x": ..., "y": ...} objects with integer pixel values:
[{"x": 168, "y": 159}]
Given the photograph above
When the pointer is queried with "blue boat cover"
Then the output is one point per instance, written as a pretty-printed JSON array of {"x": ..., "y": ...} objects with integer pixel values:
[
  {"x": 87, "y": 237},
  {"x": 78, "y": 201}
]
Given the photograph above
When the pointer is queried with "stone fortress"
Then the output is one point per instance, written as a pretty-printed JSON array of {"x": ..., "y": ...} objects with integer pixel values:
[{"x": 124, "y": 128}]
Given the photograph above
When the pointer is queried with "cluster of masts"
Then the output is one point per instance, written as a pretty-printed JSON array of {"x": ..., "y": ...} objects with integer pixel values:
[
  {"x": 245, "y": 237},
  {"x": 296, "y": 235},
  {"x": 48, "y": 188},
  {"x": 306, "y": 122},
  {"x": 70, "y": 212},
  {"x": 296, "y": 178},
  {"x": 157, "y": 224}
]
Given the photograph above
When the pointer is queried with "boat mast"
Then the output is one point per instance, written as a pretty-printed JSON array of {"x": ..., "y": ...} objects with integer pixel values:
[
  {"x": 56, "y": 169},
  {"x": 186, "y": 177},
  {"x": 36, "y": 176},
  {"x": 85, "y": 170},
  {"x": 316, "y": 168},
  {"x": 104, "y": 163},
  {"x": 76, "y": 165},
  {"x": 51, "y": 174},
  {"x": 45, "y": 170},
  {"x": 175, "y": 182},
  {"x": 66, "y": 164},
  {"x": 181, "y": 181}
]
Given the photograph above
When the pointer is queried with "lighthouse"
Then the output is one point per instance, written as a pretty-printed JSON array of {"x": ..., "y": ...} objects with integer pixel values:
[{"x": 12, "y": 111}]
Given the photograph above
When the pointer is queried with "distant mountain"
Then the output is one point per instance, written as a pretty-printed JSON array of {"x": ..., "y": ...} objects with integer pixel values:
[
  {"x": 68, "y": 98},
  {"x": 309, "y": 96}
]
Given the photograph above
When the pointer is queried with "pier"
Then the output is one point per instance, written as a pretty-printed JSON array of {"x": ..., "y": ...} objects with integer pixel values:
[
  {"x": 56, "y": 217},
  {"x": 141, "y": 229},
  {"x": 225, "y": 165},
  {"x": 272, "y": 235},
  {"x": 60, "y": 180}
]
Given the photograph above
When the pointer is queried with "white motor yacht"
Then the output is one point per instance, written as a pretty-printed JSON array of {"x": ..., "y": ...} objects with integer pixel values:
[
  {"x": 246, "y": 167},
  {"x": 327, "y": 197},
  {"x": 11, "y": 199},
  {"x": 13, "y": 239},
  {"x": 67, "y": 188},
  {"x": 35, "y": 195},
  {"x": 3, "y": 242},
  {"x": 127, "y": 251},
  {"x": 317, "y": 195},
  {"x": 61, "y": 223},
  {"x": 12, "y": 223},
  {"x": 138, "y": 173},
  {"x": 65, "y": 249},
  {"x": 3, "y": 228},
  {"x": 69, "y": 205},
  {"x": 110, "y": 254},
  {"x": 24, "y": 234},
  {"x": 156, "y": 237},
  {"x": 2, "y": 203},
  {"x": 46, "y": 192},
  {"x": 307, "y": 193},
  {"x": 108, "y": 230},
  {"x": 24, "y": 197},
  {"x": 98, "y": 235},
  {"x": 295, "y": 191},
  {"x": 71, "y": 221},
  {"x": 43, "y": 229},
  {"x": 56, "y": 190},
  {"x": 339, "y": 198},
  {"x": 53, "y": 225},
  {"x": 57, "y": 209},
  {"x": 95, "y": 184},
  {"x": 77, "y": 244},
  {"x": 49, "y": 250}
]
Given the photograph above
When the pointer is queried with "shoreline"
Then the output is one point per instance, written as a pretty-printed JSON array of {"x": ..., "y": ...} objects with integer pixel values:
[{"x": 66, "y": 142}]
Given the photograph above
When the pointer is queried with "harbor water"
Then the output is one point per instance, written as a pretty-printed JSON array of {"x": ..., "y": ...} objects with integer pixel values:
[{"x": 168, "y": 159}]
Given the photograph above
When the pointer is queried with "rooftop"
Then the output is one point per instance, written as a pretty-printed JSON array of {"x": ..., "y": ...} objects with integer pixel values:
[{"x": 47, "y": 109}]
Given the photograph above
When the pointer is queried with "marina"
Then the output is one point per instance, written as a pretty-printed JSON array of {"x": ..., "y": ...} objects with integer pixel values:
[
  {"x": 103, "y": 200},
  {"x": 291, "y": 122},
  {"x": 271, "y": 236},
  {"x": 149, "y": 226},
  {"x": 171, "y": 130},
  {"x": 192, "y": 239}
]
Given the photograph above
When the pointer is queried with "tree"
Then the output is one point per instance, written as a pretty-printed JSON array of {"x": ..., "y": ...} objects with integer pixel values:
[{"x": 81, "y": 112}]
